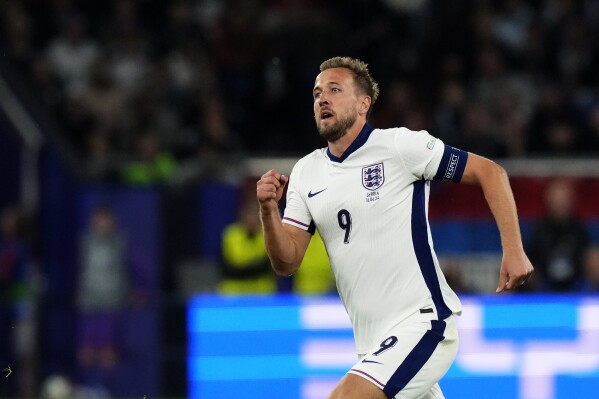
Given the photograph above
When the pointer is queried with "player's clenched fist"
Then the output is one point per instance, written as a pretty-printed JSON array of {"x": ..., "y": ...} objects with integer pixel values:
[{"x": 269, "y": 189}]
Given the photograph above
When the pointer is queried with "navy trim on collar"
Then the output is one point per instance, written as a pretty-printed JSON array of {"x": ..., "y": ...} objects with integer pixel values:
[{"x": 357, "y": 143}]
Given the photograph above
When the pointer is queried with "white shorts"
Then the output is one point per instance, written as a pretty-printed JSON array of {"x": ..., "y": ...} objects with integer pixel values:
[{"x": 412, "y": 359}]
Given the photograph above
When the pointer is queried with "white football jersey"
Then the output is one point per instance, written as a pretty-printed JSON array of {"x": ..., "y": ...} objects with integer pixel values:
[{"x": 370, "y": 206}]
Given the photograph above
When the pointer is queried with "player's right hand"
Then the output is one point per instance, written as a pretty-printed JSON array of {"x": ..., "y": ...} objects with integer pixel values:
[
  {"x": 515, "y": 270},
  {"x": 269, "y": 189}
]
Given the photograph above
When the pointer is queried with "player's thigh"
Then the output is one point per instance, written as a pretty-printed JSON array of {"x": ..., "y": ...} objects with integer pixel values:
[
  {"x": 434, "y": 393},
  {"x": 423, "y": 384},
  {"x": 413, "y": 358},
  {"x": 352, "y": 386}
]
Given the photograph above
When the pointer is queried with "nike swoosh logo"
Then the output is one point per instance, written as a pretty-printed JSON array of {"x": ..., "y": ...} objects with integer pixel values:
[
  {"x": 370, "y": 361},
  {"x": 311, "y": 194}
]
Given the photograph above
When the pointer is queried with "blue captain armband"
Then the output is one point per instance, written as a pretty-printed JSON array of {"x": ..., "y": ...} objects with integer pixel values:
[{"x": 452, "y": 165}]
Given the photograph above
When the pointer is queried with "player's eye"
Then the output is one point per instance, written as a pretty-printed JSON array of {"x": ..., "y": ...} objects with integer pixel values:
[{"x": 335, "y": 89}]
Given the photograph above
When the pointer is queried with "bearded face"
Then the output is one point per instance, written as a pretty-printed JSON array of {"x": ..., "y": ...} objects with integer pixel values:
[
  {"x": 332, "y": 128},
  {"x": 336, "y": 103}
]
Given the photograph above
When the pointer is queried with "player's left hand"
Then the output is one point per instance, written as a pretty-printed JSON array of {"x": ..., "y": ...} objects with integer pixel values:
[{"x": 516, "y": 269}]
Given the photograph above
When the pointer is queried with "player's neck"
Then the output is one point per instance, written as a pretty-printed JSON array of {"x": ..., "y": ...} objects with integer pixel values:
[{"x": 338, "y": 147}]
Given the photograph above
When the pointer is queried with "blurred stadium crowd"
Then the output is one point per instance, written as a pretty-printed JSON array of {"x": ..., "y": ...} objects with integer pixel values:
[
  {"x": 180, "y": 92},
  {"x": 188, "y": 82}
]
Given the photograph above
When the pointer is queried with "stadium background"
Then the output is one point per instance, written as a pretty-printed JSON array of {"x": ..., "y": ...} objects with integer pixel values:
[{"x": 225, "y": 88}]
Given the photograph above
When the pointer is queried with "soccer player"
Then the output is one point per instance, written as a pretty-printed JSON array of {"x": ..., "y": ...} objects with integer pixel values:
[{"x": 367, "y": 194}]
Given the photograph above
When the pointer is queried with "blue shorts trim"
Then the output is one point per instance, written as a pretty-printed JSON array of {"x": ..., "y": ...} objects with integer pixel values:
[{"x": 416, "y": 359}]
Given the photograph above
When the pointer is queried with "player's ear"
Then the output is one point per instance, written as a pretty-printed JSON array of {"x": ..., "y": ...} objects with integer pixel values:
[{"x": 365, "y": 104}]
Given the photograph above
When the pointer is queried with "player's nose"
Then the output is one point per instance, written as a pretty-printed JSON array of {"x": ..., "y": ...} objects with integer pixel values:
[{"x": 323, "y": 100}]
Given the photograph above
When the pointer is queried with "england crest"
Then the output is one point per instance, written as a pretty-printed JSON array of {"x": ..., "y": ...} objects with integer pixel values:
[{"x": 373, "y": 176}]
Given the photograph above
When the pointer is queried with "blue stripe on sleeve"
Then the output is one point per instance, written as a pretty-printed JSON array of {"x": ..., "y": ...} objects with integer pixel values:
[{"x": 452, "y": 165}]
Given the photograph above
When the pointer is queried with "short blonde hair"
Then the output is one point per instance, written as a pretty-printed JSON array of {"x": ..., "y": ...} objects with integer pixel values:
[{"x": 359, "y": 70}]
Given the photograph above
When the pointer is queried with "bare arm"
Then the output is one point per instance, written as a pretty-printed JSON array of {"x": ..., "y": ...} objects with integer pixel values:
[
  {"x": 285, "y": 244},
  {"x": 492, "y": 178}
]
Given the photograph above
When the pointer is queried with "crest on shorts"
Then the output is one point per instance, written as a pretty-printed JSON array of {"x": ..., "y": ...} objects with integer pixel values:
[{"x": 373, "y": 176}]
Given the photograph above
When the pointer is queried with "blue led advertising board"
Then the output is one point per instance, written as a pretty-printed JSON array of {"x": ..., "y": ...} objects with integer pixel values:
[{"x": 511, "y": 346}]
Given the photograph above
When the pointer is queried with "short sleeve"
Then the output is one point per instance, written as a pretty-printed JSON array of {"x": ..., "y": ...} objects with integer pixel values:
[
  {"x": 420, "y": 152},
  {"x": 296, "y": 211}
]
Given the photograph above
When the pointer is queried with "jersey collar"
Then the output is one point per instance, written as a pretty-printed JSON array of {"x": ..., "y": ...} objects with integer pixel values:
[{"x": 353, "y": 147}]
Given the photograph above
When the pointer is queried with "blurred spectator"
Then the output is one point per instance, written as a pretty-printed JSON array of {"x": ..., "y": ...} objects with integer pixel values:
[
  {"x": 109, "y": 279},
  {"x": 314, "y": 276},
  {"x": 101, "y": 161},
  {"x": 559, "y": 240},
  {"x": 151, "y": 163},
  {"x": 246, "y": 268},
  {"x": 17, "y": 305},
  {"x": 512, "y": 23},
  {"x": 189, "y": 80},
  {"x": 73, "y": 52},
  {"x": 591, "y": 269},
  {"x": 103, "y": 100},
  {"x": 128, "y": 58}
]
